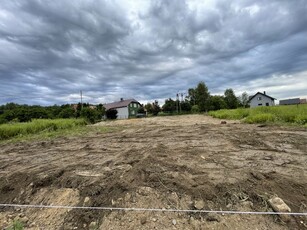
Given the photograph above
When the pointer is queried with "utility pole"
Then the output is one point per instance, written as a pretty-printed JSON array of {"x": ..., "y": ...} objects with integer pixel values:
[
  {"x": 177, "y": 102},
  {"x": 81, "y": 99},
  {"x": 182, "y": 96}
]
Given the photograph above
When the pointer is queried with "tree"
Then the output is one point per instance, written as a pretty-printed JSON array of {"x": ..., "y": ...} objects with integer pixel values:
[
  {"x": 101, "y": 109},
  {"x": 217, "y": 102},
  {"x": 111, "y": 114},
  {"x": 23, "y": 114},
  {"x": 186, "y": 106},
  {"x": 91, "y": 115},
  {"x": 191, "y": 96},
  {"x": 67, "y": 113},
  {"x": 148, "y": 107},
  {"x": 169, "y": 106},
  {"x": 231, "y": 99},
  {"x": 155, "y": 108},
  {"x": 244, "y": 100},
  {"x": 202, "y": 96},
  {"x": 141, "y": 110}
]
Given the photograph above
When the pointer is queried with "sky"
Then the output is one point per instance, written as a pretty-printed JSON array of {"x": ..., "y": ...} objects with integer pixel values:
[{"x": 150, "y": 50}]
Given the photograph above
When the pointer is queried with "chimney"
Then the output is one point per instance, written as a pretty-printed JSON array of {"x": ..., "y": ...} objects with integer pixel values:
[
  {"x": 264, "y": 92},
  {"x": 121, "y": 99}
]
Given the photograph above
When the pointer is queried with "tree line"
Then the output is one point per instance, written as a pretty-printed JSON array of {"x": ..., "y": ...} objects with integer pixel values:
[
  {"x": 199, "y": 99},
  {"x": 23, "y": 113}
]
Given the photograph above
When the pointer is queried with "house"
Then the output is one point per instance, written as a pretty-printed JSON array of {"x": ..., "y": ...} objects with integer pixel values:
[
  {"x": 261, "y": 99},
  {"x": 125, "y": 108}
]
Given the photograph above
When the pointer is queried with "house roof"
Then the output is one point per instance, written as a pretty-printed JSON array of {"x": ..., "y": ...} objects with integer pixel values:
[
  {"x": 119, "y": 104},
  {"x": 250, "y": 98}
]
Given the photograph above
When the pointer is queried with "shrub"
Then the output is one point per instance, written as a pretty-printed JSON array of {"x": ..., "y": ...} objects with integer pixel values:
[
  {"x": 195, "y": 109},
  {"x": 67, "y": 113},
  {"x": 91, "y": 115},
  {"x": 111, "y": 114}
]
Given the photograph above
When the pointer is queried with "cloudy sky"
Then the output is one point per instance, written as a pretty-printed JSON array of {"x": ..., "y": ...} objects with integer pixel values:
[{"x": 147, "y": 50}]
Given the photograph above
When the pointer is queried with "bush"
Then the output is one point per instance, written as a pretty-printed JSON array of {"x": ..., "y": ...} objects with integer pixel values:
[
  {"x": 111, "y": 114},
  {"x": 91, "y": 115},
  {"x": 141, "y": 110},
  {"x": 67, "y": 113},
  {"x": 195, "y": 109}
]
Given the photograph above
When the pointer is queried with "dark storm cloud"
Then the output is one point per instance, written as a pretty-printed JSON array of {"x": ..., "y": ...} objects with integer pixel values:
[{"x": 50, "y": 50}]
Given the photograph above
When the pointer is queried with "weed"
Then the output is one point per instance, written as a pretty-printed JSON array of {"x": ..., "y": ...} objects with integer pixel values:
[
  {"x": 290, "y": 114},
  {"x": 37, "y": 126},
  {"x": 17, "y": 225}
]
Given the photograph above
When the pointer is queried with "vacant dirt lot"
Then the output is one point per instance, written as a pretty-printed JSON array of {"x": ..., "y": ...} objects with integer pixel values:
[{"x": 183, "y": 162}]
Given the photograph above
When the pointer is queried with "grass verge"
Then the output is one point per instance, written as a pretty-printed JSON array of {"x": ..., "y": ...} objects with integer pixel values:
[
  {"x": 8, "y": 131},
  {"x": 58, "y": 128},
  {"x": 291, "y": 114}
]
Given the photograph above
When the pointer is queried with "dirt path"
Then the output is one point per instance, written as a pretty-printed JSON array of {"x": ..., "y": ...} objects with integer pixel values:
[{"x": 163, "y": 162}]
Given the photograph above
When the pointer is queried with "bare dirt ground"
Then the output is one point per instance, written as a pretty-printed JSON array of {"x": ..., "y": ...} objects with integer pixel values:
[{"x": 183, "y": 162}]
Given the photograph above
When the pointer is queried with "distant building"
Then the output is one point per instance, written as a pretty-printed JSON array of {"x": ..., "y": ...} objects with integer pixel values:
[
  {"x": 261, "y": 99},
  {"x": 75, "y": 106},
  {"x": 125, "y": 108},
  {"x": 292, "y": 101}
]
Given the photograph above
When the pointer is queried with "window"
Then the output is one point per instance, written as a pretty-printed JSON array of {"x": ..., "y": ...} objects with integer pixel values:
[
  {"x": 259, "y": 104},
  {"x": 267, "y": 104},
  {"x": 132, "y": 112},
  {"x": 259, "y": 99}
]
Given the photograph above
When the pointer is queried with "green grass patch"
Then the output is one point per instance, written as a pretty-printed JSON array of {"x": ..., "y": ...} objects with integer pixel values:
[
  {"x": 290, "y": 114},
  {"x": 232, "y": 114},
  {"x": 260, "y": 118},
  {"x": 38, "y": 126},
  {"x": 17, "y": 225}
]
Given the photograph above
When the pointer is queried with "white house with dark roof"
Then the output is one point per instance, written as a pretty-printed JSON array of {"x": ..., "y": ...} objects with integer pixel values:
[
  {"x": 261, "y": 99},
  {"x": 125, "y": 108}
]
